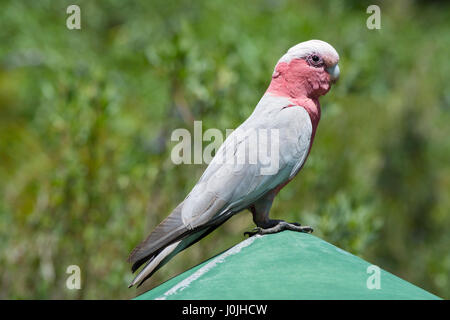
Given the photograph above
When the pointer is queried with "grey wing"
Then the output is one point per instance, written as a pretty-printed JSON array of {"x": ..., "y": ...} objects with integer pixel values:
[{"x": 232, "y": 181}]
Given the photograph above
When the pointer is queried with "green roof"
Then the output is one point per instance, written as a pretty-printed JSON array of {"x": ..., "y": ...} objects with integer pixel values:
[{"x": 286, "y": 265}]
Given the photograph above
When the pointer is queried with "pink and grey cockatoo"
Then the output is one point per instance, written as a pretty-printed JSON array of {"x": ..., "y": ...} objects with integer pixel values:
[{"x": 290, "y": 106}]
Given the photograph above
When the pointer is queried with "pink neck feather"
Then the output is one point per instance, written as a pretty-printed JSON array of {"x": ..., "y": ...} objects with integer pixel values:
[{"x": 302, "y": 85}]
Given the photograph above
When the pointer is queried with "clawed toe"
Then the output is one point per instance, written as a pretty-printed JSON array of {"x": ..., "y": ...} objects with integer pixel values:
[
  {"x": 253, "y": 232},
  {"x": 281, "y": 226}
]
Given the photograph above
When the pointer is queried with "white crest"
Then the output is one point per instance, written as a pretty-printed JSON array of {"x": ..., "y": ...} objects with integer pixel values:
[{"x": 304, "y": 49}]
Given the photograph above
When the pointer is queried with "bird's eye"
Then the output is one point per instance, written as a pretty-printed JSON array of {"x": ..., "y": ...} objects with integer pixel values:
[{"x": 315, "y": 60}]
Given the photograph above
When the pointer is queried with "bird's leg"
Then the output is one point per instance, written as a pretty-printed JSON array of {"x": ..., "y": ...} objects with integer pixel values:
[{"x": 264, "y": 225}]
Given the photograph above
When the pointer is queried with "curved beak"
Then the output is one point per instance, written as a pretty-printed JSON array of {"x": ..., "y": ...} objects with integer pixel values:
[{"x": 333, "y": 71}]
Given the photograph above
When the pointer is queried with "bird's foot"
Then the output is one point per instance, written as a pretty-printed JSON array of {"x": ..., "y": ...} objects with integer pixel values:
[{"x": 280, "y": 226}]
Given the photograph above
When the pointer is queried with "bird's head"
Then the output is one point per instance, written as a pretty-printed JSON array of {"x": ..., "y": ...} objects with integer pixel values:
[{"x": 307, "y": 69}]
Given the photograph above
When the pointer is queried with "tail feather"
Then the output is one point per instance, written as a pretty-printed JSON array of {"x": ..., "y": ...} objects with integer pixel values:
[
  {"x": 165, "y": 256},
  {"x": 153, "y": 263},
  {"x": 168, "y": 231},
  {"x": 168, "y": 239},
  {"x": 168, "y": 253}
]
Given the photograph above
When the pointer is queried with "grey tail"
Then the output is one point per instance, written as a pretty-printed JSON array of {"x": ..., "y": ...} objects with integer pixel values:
[
  {"x": 165, "y": 234},
  {"x": 152, "y": 264},
  {"x": 163, "y": 256}
]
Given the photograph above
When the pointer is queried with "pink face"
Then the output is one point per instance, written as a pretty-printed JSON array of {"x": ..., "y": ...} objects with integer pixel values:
[{"x": 307, "y": 76}]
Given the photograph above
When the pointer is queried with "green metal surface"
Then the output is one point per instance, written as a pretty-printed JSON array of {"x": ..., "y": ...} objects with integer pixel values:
[{"x": 286, "y": 265}]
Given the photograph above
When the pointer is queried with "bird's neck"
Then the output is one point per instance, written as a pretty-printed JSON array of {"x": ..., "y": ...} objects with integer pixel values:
[
  {"x": 301, "y": 84},
  {"x": 300, "y": 94}
]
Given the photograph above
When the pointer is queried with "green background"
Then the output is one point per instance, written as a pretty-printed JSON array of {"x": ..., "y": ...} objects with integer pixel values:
[{"x": 86, "y": 118}]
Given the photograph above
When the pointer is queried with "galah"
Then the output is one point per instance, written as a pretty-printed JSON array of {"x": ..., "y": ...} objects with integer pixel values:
[{"x": 290, "y": 107}]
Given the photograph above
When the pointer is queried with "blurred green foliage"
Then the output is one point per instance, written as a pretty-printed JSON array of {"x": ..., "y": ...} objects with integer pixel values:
[{"x": 86, "y": 117}]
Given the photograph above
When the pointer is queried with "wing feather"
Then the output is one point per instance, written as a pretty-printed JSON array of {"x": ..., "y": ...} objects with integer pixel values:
[{"x": 230, "y": 183}]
